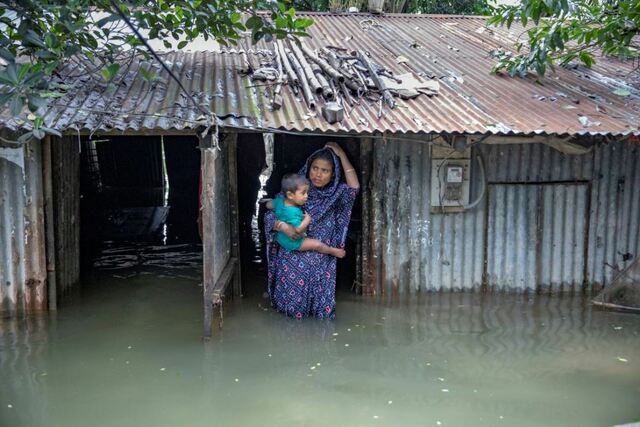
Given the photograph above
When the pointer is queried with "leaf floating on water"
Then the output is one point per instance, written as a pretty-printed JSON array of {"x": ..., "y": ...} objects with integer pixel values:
[
  {"x": 444, "y": 390},
  {"x": 346, "y": 345},
  {"x": 163, "y": 369},
  {"x": 9, "y": 406},
  {"x": 617, "y": 328},
  {"x": 390, "y": 402},
  {"x": 622, "y": 359},
  {"x": 335, "y": 334},
  {"x": 237, "y": 380},
  {"x": 375, "y": 417},
  {"x": 441, "y": 379},
  {"x": 622, "y": 92}
]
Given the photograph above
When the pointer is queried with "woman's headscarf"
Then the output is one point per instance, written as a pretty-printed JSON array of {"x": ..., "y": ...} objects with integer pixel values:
[{"x": 324, "y": 201}]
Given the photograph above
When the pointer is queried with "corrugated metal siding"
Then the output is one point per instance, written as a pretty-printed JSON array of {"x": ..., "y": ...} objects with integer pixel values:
[
  {"x": 512, "y": 236},
  {"x": 536, "y": 236},
  {"x": 553, "y": 220},
  {"x": 22, "y": 241},
  {"x": 614, "y": 232},
  {"x": 413, "y": 249},
  {"x": 66, "y": 205}
]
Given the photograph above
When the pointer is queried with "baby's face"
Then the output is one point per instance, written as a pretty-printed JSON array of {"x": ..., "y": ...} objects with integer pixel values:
[{"x": 299, "y": 198}]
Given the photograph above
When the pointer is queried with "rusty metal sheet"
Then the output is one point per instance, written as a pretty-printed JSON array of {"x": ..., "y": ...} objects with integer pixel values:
[
  {"x": 548, "y": 221},
  {"x": 22, "y": 242},
  {"x": 454, "y": 50}
]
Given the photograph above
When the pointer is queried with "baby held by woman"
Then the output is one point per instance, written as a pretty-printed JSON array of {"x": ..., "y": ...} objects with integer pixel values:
[{"x": 288, "y": 208}]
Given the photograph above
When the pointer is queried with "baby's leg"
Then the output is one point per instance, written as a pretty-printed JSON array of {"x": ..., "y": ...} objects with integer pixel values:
[{"x": 318, "y": 246}]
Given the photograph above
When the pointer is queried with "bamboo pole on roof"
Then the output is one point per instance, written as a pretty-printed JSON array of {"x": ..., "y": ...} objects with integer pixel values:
[
  {"x": 308, "y": 72},
  {"x": 287, "y": 65},
  {"x": 386, "y": 95},
  {"x": 304, "y": 84}
]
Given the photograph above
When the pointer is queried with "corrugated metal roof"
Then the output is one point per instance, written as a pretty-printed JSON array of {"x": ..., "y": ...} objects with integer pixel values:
[{"x": 452, "y": 49}]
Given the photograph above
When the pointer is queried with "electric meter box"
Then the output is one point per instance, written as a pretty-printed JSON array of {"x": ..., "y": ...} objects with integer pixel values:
[{"x": 450, "y": 178}]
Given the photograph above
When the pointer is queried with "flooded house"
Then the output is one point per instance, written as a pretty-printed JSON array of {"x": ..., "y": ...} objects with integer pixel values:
[{"x": 471, "y": 181}]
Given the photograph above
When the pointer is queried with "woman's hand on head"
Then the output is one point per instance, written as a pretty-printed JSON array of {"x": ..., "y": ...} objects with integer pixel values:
[{"x": 333, "y": 146}]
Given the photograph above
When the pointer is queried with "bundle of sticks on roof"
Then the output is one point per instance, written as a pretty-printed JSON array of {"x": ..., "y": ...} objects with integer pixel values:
[{"x": 332, "y": 73}]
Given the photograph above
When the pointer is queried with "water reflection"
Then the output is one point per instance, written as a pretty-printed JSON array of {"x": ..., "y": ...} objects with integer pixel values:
[{"x": 128, "y": 352}]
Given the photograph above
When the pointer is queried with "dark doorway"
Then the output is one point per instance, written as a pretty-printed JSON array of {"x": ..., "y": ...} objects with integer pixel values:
[
  {"x": 289, "y": 154},
  {"x": 140, "y": 191}
]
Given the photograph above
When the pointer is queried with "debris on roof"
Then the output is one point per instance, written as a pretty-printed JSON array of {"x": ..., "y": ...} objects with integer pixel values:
[{"x": 335, "y": 74}]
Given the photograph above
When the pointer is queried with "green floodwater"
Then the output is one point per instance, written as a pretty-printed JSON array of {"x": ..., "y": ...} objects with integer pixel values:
[{"x": 127, "y": 352}]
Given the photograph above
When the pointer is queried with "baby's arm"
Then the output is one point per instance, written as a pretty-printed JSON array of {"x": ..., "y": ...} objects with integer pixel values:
[{"x": 304, "y": 224}]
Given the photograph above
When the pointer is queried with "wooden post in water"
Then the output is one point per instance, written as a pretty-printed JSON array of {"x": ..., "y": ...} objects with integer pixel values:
[
  {"x": 366, "y": 152},
  {"x": 232, "y": 144},
  {"x": 208, "y": 238},
  {"x": 49, "y": 223}
]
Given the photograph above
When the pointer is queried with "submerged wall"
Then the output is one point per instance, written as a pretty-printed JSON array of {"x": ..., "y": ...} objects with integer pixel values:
[
  {"x": 22, "y": 238},
  {"x": 548, "y": 221}
]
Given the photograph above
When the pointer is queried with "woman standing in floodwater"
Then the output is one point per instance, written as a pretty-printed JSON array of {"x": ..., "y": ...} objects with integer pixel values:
[{"x": 304, "y": 283}]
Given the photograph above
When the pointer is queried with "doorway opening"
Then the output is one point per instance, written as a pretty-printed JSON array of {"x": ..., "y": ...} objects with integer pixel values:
[{"x": 139, "y": 205}]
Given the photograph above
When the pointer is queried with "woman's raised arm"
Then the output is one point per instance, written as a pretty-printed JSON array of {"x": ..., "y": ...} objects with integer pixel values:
[{"x": 350, "y": 174}]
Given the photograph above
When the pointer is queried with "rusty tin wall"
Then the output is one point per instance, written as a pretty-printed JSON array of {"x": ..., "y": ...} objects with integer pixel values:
[
  {"x": 22, "y": 239},
  {"x": 548, "y": 221}
]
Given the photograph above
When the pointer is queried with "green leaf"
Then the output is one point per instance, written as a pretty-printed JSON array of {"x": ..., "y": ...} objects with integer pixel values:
[
  {"x": 235, "y": 17},
  {"x": 35, "y": 102},
  {"x": 586, "y": 58},
  {"x": 254, "y": 22},
  {"x": 110, "y": 72},
  {"x": 622, "y": 92},
  {"x": 38, "y": 133},
  {"x": 51, "y": 131},
  {"x": 45, "y": 54},
  {"x": 23, "y": 69},
  {"x": 6, "y": 55},
  {"x": 166, "y": 44},
  {"x": 107, "y": 19},
  {"x": 33, "y": 78},
  {"x": 4, "y": 98},
  {"x": 12, "y": 73},
  {"x": 25, "y": 137},
  {"x": 182, "y": 44},
  {"x": 281, "y": 22},
  {"x": 303, "y": 23},
  {"x": 16, "y": 105},
  {"x": 32, "y": 38}
]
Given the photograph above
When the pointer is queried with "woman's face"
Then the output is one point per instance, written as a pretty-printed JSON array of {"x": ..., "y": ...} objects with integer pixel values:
[{"x": 320, "y": 173}]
